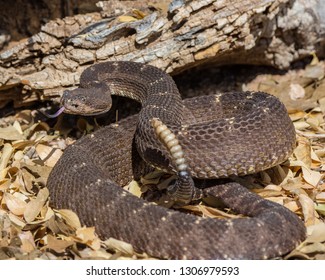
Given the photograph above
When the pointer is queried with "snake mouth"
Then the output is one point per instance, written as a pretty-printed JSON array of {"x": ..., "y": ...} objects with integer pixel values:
[
  {"x": 66, "y": 110},
  {"x": 95, "y": 113}
]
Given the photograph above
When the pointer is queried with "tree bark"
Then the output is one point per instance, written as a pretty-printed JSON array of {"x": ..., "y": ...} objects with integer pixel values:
[{"x": 172, "y": 36}]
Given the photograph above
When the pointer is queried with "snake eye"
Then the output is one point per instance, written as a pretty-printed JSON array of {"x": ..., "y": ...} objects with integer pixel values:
[{"x": 72, "y": 103}]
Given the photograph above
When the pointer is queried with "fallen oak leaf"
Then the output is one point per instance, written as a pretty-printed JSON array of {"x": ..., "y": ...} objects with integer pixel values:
[
  {"x": 16, "y": 205},
  {"x": 55, "y": 244},
  {"x": 303, "y": 151},
  {"x": 46, "y": 214},
  {"x": 39, "y": 126},
  {"x": 307, "y": 249},
  {"x": 296, "y": 91},
  {"x": 70, "y": 218},
  {"x": 101, "y": 254},
  {"x": 320, "y": 197},
  {"x": 308, "y": 209},
  {"x": 17, "y": 126},
  {"x": 292, "y": 206},
  {"x": 10, "y": 133},
  {"x": 28, "y": 243},
  {"x": 208, "y": 211},
  {"x": 315, "y": 233},
  {"x": 134, "y": 188},
  {"x": 4, "y": 184},
  {"x": 312, "y": 177},
  {"x": 87, "y": 235},
  {"x": 48, "y": 154},
  {"x": 119, "y": 246},
  {"x": 7, "y": 151},
  {"x": 34, "y": 207},
  {"x": 16, "y": 220},
  {"x": 313, "y": 248},
  {"x": 40, "y": 171}
]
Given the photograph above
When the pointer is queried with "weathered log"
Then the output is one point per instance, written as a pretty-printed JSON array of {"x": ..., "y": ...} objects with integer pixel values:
[{"x": 174, "y": 37}]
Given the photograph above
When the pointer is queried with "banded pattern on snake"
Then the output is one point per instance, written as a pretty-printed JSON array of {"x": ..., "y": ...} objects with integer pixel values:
[{"x": 225, "y": 135}]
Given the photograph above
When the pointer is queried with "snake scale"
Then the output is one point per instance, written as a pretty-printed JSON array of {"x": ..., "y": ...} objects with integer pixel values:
[{"x": 222, "y": 135}]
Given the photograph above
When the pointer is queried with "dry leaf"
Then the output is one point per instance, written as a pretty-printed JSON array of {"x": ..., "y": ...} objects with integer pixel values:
[
  {"x": 45, "y": 215},
  {"x": 277, "y": 199},
  {"x": 16, "y": 205},
  {"x": 294, "y": 116},
  {"x": 296, "y": 92},
  {"x": 28, "y": 243},
  {"x": 101, "y": 254},
  {"x": 7, "y": 151},
  {"x": 34, "y": 129},
  {"x": 313, "y": 248},
  {"x": 10, "y": 133},
  {"x": 267, "y": 193},
  {"x": 49, "y": 155},
  {"x": 134, "y": 188},
  {"x": 118, "y": 245},
  {"x": 320, "y": 197},
  {"x": 70, "y": 217},
  {"x": 312, "y": 177},
  {"x": 314, "y": 71},
  {"x": 21, "y": 144},
  {"x": 28, "y": 179},
  {"x": 273, "y": 188},
  {"x": 301, "y": 125},
  {"x": 316, "y": 162},
  {"x": 316, "y": 233},
  {"x": 35, "y": 206},
  {"x": 16, "y": 220},
  {"x": 86, "y": 235},
  {"x": 292, "y": 205},
  {"x": 303, "y": 151},
  {"x": 4, "y": 184},
  {"x": 42, "y": 171},
  {"x": 55, "y": 244},
  {"x": 308, "y": 209},
  {"x": 208, "y": 211},
  {"x": 17, "y": 126}
]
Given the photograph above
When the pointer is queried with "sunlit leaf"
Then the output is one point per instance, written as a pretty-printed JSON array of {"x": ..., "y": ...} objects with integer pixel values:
[{"x": 34, "y": 207}]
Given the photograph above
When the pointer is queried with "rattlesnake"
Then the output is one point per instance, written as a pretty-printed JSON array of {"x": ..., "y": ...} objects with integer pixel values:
[{"x": 224, "y": 135}]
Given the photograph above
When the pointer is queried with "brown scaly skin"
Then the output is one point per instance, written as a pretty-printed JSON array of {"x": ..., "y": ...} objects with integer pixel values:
[{"x": 222, "y": 135}]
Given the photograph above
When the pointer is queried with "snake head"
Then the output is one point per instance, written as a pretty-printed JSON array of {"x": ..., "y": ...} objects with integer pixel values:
[{"x": 86, "y": 101}]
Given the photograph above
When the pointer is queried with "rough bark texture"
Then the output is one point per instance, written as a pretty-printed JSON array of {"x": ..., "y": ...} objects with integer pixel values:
[
  {"x": 173, "y": 36},
  {"x": 25, "y": 18}
]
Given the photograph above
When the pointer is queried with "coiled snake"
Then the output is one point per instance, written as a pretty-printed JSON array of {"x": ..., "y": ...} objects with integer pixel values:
[{"x": 224, "y": 135}]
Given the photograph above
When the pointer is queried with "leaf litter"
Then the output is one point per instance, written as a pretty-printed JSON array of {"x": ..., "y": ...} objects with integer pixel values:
[{"x": 31, "y": 229}]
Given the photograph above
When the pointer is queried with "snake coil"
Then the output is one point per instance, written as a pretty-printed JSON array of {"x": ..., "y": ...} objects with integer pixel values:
[{"x": 218, "y": 136}]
